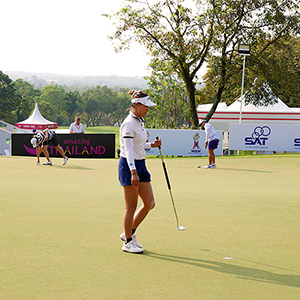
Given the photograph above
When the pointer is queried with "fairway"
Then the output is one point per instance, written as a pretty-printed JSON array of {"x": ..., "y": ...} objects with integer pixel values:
[{"x": 60, "y": 230}]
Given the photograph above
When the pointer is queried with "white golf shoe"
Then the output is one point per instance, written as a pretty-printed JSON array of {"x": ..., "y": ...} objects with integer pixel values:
[
  {"x": 208, "y": 167},
  {"x": 122, "y": 237},
  {"x": 65, "y": 160},
  {"x": 213, "y": 165},
  {"x": 47, "y": 163},
  {"x": 131, "y": 247}
]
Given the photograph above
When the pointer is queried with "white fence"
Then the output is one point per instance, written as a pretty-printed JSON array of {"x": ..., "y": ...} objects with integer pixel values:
[{"x": 182, "y": 142}]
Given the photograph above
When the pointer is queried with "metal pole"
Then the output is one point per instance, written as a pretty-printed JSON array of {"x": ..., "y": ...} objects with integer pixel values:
[{"x": 244, "y": 63}]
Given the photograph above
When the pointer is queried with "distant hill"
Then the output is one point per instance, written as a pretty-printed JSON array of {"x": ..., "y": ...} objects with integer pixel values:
[{"x": 43, "y": 79}]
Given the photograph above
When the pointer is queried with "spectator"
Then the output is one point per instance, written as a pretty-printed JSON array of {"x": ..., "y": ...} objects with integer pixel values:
[{"x": 76, "y": 127}]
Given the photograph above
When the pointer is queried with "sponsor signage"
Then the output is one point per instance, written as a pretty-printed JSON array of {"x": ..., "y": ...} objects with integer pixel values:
[
  {"x": 182, "y": 142},
  {"x": 74, "y": 145},
  {"x": 264, "y": 137}
]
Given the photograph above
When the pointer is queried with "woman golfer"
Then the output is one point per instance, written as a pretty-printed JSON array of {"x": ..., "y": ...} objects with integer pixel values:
[
  {"x": 212, "y": 142},
  {"x": 133, "y": 174},
  {"x": 41, "y": 141}
]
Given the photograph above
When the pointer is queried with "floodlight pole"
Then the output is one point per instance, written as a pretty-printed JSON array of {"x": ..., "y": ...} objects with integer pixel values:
[
  {"x": 242, "y": 93},
  {"x": 243, "y": 49}
]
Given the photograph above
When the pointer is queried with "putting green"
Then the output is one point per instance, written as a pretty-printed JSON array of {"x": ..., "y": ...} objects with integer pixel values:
[{"x": 60, "y": 230}]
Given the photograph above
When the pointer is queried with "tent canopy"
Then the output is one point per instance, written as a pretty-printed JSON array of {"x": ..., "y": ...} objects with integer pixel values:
[
  {"x": 279, "y": 113},
  {"x": 280, "y": 106},
  {"x": 36, "y": 121}
]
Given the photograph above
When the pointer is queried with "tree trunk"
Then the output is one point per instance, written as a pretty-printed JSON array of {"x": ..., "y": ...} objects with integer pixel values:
[
  {"x": 190, "y": 87},
  {"x": 215, "y": 104},
  {"x": 220, "y": 89}
]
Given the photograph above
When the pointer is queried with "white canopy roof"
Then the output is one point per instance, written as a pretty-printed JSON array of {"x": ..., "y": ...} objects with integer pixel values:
[
  {"x": 277, "y": 107},
  {"x": 279, "y": 113},
  {"x": 36, "y": 121}
]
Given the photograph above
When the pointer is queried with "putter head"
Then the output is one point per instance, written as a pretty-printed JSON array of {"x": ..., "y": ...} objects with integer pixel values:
[{"x": 181, "y": 228}]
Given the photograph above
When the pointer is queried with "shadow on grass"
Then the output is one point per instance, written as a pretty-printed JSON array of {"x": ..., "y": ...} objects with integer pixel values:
[
  {"x": 241, "y": 272},
  {"x": 71, "y": 167},
  {"x": 244, "y": 170}
]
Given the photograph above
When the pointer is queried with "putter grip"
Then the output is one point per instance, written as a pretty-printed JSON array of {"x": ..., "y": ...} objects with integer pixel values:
[
  {"x": 166, "y": 174},
  {"x": 157, "y": 138}
]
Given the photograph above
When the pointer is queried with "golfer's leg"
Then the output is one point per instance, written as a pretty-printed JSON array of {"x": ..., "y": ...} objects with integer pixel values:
[
  {"x": 131, "y": 200},
  {"x": 210, "y": 156},
  {"x": 38, "y": 153},
  {"x": 146, "y": 194},
  {"x": 45, "y": 150},
  {"x": 60, "y": 150}
]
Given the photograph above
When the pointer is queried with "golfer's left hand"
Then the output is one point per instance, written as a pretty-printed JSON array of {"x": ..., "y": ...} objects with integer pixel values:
[{"x": 156, "y": 143}]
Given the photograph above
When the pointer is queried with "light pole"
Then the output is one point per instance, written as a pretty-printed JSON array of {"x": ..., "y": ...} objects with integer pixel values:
[{"x": 243, "y": 49}]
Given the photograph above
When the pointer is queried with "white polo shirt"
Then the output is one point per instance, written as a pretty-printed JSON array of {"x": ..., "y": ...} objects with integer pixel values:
[
  {"x": 210, "y": 132},
  {"x": 77, "y": 128},
  {"x": 134, "y": 128}
]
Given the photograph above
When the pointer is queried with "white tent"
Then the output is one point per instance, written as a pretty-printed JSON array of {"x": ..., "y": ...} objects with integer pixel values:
[
  {"x": 277, "y": 107},
  {"x": 36, "y": 121},
  {"x": 278, "y": 113}
]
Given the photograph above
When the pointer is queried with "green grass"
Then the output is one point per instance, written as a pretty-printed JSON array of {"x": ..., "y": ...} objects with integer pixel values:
[{"x": 60, "y": 230}]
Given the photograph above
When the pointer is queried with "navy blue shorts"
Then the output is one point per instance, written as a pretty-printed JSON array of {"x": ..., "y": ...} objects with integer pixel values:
[
  {"x": 53, "y": 141},
  {"x": 213, "y": 144},
  {"x": 125, "y": 174}
]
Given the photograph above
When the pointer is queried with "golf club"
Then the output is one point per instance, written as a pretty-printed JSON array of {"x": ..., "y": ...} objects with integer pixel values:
[
  {"x": 169, "y": 187},
  {"x": 202, "y": 157}
]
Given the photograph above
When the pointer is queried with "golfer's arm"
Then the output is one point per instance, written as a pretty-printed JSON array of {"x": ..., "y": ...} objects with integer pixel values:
[
  {"x": 46, "y": 131},
  {"x": 129, "y": 153}
]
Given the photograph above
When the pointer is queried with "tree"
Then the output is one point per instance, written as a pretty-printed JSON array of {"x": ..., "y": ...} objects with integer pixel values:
[
  {"x": 27, "y": 92},
  {"x": 171, "y": 98},
  {"x": 47, "y": 110},
  {"x": 72, "y": 104},
  {"x": 91, "y": 104},
  {"x": 101, "y": 104},
  {"x": 278, "y": 67},
  {"x": 174, "y": 36},
  {"x": 258, "y": 23},
  {"x": 9, "y": 100},
  {"x": 54, "y": 95}
]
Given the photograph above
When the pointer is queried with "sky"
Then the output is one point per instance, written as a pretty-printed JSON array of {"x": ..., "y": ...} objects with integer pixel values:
[{"x": 64, "y": 37}]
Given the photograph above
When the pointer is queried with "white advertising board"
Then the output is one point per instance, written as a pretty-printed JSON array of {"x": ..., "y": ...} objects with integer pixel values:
[
  {"x": 264, "y": 137},
  {"x": 180, "y": 142}
]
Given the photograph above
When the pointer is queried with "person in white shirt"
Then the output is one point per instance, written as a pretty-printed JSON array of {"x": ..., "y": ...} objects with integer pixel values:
[
  {"x": 76, "y": 127},
  {"x": 132, "y": 170},
  {"x": 211, "y": 142}
]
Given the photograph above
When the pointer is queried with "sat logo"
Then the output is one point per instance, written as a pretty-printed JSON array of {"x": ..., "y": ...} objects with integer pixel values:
[
  {"x": 259, "y": 136},
  {"x": 297, "y": 142}
]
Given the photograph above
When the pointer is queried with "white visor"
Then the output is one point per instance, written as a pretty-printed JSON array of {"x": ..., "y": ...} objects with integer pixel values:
[
  {"x": 33, "y": 141},
  {"x": 145, "y": 100}
]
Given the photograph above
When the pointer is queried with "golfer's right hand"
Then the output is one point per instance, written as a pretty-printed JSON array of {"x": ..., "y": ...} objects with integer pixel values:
[{"x": 135, "y": 180}]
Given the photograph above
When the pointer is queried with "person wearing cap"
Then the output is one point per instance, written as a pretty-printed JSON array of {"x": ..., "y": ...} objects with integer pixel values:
[
  {"x": 211, "y": 142},
  {"x": 41, "y": 141},
  {"x": 133, "y": 174},
  {"x": 76, "y": 127}
]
